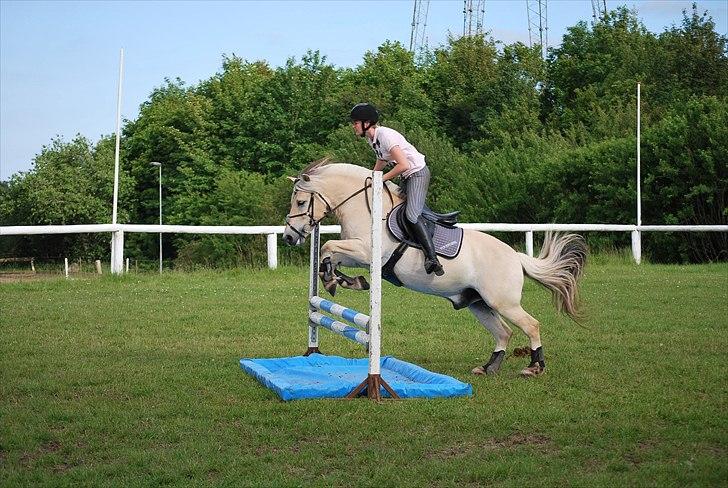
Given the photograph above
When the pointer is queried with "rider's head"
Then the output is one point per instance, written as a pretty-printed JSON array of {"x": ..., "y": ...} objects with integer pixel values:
[{"x": 363, "y": 116}]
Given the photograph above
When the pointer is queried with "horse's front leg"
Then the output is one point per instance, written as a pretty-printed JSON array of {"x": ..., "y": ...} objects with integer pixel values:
[{"x": 343, "y": 252}]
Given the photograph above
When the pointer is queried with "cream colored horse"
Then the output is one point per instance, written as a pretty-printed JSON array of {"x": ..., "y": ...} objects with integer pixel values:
[{"x": 487, "y": 276}]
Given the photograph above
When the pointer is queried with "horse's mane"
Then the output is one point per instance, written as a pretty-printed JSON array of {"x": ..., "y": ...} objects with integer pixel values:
[{"x": 314, "y": 166}]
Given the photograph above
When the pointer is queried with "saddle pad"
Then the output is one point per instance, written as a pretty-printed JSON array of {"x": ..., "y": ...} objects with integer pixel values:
[{"x": 447, "y": 240}]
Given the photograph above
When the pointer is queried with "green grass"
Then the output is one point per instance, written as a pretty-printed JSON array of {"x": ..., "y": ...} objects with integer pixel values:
[{"x": 134, "y": 380}]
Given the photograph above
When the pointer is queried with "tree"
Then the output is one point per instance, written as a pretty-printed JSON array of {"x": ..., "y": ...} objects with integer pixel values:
[
  {"x": 591, "y": 78},
  {"x": 71, "y": 183},
  {"x": 693, "y": 60}
]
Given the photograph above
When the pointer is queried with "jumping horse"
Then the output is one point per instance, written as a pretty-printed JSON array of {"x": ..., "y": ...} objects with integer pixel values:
[{"x": 486, "y": 276}]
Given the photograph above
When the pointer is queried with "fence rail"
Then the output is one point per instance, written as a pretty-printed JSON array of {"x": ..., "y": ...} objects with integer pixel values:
[{"x": 271, "y": 231}]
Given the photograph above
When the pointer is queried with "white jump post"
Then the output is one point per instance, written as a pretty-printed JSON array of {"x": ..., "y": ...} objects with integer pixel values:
[{"x": 371, "y": 336}]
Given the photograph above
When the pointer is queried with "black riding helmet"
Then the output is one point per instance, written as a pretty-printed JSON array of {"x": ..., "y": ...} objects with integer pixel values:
[{"x": 366, "y": 113}]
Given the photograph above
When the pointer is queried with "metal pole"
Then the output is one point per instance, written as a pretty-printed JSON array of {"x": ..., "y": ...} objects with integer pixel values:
[
  {"x": 160, "y": 219},
  {"x": 118, "y": 137},
  {"x": 115, "y": 248},
  {"x": 639, "y": 162},
  {"x": 636, "y": 237}
]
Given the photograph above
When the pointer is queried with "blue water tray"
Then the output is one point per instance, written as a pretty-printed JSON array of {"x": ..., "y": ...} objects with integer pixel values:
[{"x": 320, "y": 376}]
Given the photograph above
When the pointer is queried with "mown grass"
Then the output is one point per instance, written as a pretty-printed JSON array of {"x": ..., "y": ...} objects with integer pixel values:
[{"x": 134, "y": 380}]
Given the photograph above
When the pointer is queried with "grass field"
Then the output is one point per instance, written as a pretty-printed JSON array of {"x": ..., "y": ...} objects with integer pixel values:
[{"x": 134, "y": 380}]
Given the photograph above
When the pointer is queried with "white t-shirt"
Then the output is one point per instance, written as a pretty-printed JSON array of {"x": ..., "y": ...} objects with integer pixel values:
[{"x": 385, "y": 139}]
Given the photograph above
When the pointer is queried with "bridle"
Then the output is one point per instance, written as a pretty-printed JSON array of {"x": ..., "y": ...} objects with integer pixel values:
[{"x": 313, "y": 222}]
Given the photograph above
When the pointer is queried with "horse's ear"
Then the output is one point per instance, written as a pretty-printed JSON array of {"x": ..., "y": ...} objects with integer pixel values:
[
  {"x": 305, "y": 177},
  {"x": 293, "y": 179}
]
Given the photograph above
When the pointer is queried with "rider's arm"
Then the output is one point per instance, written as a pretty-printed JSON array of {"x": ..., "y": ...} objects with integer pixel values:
[
  {"x": 401, "y": 166},
  {"x": 380, "y": 165}
]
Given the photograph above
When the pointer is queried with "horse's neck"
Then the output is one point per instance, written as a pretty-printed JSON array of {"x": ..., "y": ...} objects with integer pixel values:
[
  {"x": 355, "y": 216},
  {"x": 355, "y": 219}
]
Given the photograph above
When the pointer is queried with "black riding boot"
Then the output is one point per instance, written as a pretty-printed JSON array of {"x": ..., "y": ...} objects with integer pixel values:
[{"x": 419, "y": 232}]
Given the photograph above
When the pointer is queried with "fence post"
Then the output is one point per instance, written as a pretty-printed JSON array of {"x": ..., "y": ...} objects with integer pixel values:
[
  {"x": 529, "y": 243},
  {"x": 65, "y": 266},
  {"x": 272, "y": 245},
  {"x": 636, "y": 246},
  {"x": 117, "y": 252}
]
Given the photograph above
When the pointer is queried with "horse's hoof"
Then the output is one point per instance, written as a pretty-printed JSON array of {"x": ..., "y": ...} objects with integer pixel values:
[
  {"x": 482, "y": 370},
  {"x": 532, "y": 371},
  {"x": 330, "y": 287},
  {"x": 362, "y": 283}
]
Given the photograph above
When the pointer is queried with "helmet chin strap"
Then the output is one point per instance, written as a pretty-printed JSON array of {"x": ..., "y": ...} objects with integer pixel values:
[{"x": 365, "y": 129}]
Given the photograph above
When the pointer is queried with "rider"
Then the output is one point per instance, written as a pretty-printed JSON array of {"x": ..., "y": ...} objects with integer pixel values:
[{"x": 392, "y": 148}]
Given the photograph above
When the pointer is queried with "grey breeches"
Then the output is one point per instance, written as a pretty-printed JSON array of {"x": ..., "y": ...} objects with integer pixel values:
[{"x": 415, "y": 186}]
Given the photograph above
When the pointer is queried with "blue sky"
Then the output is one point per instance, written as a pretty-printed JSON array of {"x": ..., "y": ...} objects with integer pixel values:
[{"x": 59, "y": 60}]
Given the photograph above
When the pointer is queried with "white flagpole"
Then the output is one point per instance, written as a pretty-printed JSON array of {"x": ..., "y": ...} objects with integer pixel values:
[
  {"x": 117, "y": 238},
  {"x": 636, "y": 234},
  {"x": 639, "y": 192},
  {"x": 118, "y": 137}
]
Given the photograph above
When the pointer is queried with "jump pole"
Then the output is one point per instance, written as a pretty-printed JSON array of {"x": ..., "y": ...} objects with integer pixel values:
[{"x": 374, "y": 381}]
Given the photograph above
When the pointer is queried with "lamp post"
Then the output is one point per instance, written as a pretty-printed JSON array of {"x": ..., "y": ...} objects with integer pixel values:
[{"x": 159, "y": 165}]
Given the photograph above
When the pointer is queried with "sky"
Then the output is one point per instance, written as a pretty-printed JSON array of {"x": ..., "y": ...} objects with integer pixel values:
[{"x": 59, "y": 60}]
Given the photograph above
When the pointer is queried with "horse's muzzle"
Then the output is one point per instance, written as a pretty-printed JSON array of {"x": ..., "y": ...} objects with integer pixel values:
[{"x": 289, "y": 239}]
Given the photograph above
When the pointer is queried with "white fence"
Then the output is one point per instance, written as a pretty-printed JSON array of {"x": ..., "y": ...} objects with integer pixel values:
[{"x": 272, "y": 231}]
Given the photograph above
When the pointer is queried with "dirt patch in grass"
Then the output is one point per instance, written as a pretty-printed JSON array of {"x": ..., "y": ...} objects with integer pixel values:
[
  {"x": 636, "y": 456},
  {"x": 49, "y": 447},
  {"x": 513, "y": 441},
  {"x": 28, "y": 277}
]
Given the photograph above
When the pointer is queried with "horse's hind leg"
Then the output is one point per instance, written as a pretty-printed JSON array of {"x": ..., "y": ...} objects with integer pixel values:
[
  {"x": 531, "y": 328},
  {"x": 501, "y": 332}
]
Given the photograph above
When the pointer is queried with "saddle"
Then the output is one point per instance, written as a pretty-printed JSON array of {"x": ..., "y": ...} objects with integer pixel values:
[{"x": 447, "y": 238}]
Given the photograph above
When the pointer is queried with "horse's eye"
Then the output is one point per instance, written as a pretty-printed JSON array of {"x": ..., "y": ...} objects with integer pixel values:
[{"x": 300, "y": 202}]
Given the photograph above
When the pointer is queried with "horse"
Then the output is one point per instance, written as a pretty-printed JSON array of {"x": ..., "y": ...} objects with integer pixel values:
[{"x": 487, "y": 275}]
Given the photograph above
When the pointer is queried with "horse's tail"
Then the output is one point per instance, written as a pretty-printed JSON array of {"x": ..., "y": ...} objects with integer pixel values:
[{"x": 558, "y": 267}]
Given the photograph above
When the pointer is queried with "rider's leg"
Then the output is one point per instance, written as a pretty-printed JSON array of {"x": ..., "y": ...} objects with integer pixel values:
[
  {"x": 419, "y": 231},
  {"x": 416, "y": 187}
]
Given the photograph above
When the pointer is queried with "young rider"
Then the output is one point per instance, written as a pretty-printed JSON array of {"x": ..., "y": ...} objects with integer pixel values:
[{"x": 393, "y": 149}]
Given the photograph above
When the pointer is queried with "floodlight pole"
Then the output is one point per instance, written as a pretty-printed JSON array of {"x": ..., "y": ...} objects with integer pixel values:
[
  {"x": 159, "y": 165},
  {"x": 117, "y": 237},
  {"x": 636, "y": 234}
]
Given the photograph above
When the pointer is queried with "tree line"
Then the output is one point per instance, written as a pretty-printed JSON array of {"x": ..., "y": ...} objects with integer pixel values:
[{"x": 509, "y": 136}]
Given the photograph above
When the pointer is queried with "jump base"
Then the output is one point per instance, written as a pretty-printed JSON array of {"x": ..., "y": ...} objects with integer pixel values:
[{"x": 319, "y": 376}]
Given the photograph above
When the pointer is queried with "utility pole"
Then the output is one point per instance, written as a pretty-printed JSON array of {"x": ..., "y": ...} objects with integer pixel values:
[
  {"x": 599, "y": 10},
  {"x": 473, "y": 17},
  {"x": 538, "y": 30},
  {"x": 418, "y": 37}
]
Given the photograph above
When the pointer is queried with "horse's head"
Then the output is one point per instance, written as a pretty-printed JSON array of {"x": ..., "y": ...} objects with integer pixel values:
[
  {"x": 308, "y": 208},
  {"x": 324, "y": 189}
]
